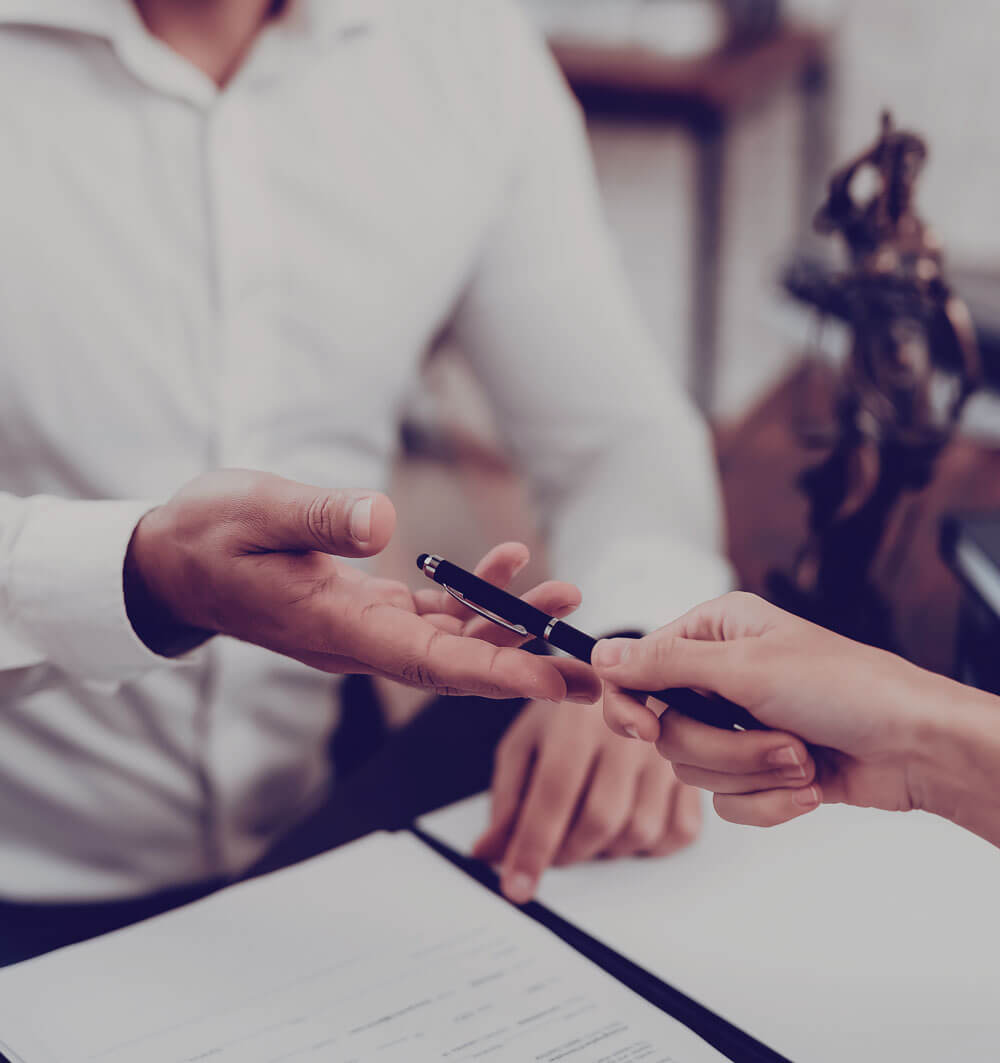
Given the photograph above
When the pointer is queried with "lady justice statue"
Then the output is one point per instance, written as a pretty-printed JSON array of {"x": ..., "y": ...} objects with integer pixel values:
[{"x": 913, "y": 364}]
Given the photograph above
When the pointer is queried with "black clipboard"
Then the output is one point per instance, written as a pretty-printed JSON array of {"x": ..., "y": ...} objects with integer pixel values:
[{"x": 730, "y": 1040}]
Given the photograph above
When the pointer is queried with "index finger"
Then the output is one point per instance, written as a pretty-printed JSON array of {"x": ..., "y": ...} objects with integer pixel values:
[
  {"x": 406, "y": 646},
  {"x": 557, "y": 782}
]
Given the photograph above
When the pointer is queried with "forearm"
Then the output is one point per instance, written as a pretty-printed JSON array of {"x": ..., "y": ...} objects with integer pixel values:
[{"x": 956, "y": 754}]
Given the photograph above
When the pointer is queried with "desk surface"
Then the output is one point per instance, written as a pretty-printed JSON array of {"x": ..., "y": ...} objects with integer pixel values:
[{"x": 848, "y": 934}]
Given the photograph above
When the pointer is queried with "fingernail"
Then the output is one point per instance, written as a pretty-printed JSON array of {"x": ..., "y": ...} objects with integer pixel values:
[
  {"x": 786, "y": 757},
  {"x": 632, "y": 732},
  {"x": 807, "y": 798},
  {"x": 611, "y": 652},
  {"x": 361, "y": 521},
  {"x": 520, "y": 887}
]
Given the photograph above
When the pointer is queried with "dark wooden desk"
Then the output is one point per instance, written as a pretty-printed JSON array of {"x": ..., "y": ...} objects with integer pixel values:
[
  {"x": 760, "y": 462},
  {"x": 707, "y": 95},
  {"x": 703, "y": 90}
]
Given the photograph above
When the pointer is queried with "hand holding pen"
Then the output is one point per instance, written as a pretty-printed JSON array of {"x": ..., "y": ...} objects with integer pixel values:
[
  {"x": 523, "y": 618},
  {"x": 564, "y": 789},
  {"x": 794, "y": 676}
]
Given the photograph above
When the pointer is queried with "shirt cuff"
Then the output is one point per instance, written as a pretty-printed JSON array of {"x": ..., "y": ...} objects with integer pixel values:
[{"x": 66, "y": 595}]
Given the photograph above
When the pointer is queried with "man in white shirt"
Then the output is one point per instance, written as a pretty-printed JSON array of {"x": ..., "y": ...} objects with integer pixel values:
[{"x": 228, "y": 233}]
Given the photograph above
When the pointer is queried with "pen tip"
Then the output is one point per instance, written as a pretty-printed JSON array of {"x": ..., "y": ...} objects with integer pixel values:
[{"x": 422, "y": 560}]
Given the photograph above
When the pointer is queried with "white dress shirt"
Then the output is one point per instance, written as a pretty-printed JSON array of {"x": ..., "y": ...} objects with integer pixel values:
[{"x": 193, "y": 278}]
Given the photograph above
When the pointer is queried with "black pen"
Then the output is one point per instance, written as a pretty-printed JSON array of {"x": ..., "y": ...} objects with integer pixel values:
[{"x": 523, "y": 619}]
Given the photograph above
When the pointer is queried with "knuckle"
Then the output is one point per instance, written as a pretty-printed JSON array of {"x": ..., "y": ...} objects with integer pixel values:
[
  {"x": 509, "y": 751},
  {"x": 415, "y": 672},
  {"x": 389, "y": 592},
  {"x": 667, "y": 751},
  {"x": 532, "y": 852},
  {"x": 307, "y": 588},
  {"x": 237, "y": 487},
  {"x": 642, "y": 833},
  {"x": 594, "y": 825},
  {"x": 687, "y": 774},
  {"x": 741, "y": 653},
  {"x": 745, "y": 599},
  {"x": 661, "y": 648},
  {"x": 410, "y": 673},
  {"x": 667, "y": 744},
  {"x": 550, "y": 791},
  {"x": 324, "y": 519},
  {"x": 369, "y": 611},
  {"x": 418, "y": 669}
]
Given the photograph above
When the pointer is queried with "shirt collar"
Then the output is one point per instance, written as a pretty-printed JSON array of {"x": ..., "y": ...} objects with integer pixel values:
[
  {"x": 305, "y": 23},
  {"x": 99, "y": 17},
  {"x": 105, "y": 18}
]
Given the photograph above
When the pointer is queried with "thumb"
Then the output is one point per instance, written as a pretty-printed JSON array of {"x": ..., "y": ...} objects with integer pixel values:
[
  {"x": 349, "y": 523},
  {"x": 663, "y": 661}
]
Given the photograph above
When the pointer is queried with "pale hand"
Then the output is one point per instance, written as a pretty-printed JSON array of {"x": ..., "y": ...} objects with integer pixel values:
[{"x": 846, "y": 718}]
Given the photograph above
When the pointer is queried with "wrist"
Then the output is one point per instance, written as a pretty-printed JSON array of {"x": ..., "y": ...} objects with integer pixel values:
[
  {"x": 149, "y": 610},
  {"x": 954, "y": 753}
]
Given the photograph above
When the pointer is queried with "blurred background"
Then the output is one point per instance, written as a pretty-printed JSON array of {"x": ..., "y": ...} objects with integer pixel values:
[{"x": 715, "y": 126}]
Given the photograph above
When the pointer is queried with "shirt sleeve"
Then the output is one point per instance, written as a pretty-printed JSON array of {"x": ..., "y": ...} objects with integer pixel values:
[
  {"x": 62, "y": 601},
  {"x": 620, "y": 461}
]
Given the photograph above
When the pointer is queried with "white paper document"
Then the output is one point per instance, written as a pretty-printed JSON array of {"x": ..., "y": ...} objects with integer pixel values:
[
  {"x": 380, "y": 952},
  {"x": 848, "y": 934}
]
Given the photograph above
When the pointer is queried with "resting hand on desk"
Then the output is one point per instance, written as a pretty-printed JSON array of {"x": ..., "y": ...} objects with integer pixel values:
[
  {"x": 252, "y": 556},
  {"x": 851, "y": 724},
  {"x": 566, "y": 790}
]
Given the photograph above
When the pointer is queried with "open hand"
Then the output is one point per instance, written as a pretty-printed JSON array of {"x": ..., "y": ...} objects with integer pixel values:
[{"x": 252, "y": 556}]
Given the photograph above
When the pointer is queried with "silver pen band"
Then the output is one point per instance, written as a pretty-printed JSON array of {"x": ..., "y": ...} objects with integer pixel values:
[{"x": 431, "y": 564}]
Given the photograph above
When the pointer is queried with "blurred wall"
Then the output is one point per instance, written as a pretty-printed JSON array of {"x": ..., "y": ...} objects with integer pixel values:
[
  {"x": 647, "y": 172},
  {"x": 936, "y": 63}
]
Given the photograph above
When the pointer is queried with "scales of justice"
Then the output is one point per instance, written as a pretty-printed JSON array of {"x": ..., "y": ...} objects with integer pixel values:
[{"x": 913, "y": 363}]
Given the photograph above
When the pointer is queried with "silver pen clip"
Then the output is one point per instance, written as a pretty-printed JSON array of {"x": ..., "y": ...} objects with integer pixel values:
[{"x": 517, "y": 629}]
